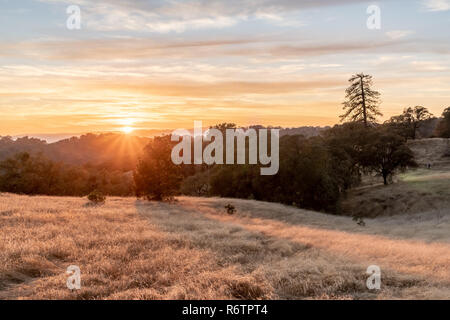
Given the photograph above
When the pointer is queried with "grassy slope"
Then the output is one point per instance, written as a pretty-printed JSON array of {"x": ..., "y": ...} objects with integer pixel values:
[
  {"x": 121, "y": 255},
  {"x": 416, "y": 191},
  {"x": 435, "y": 151},
  {"x": 193, "y": 249}
]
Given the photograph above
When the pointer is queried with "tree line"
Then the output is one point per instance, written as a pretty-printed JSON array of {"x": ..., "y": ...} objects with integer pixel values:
[
  {"x": 314, "y": 171},
  {"x": 35, "y": 174}
]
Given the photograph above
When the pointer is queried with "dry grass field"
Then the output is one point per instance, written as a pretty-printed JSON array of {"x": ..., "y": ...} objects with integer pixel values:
[
  {"x": 192, "y": 249},
  {"x": 435, "y": 151}
]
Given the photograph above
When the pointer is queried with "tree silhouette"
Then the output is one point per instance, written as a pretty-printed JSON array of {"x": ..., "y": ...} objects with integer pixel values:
[
  {"x": 415, "y": 116},
  {"x": 361, "y": 101},
  {"x": 443, "y": 128},
  {"x": 399, "y": 125},
  {"x": 385, "y": 153},
  {"x": 156, "y": 176},
  {"x": 224, "y": 126},
  {"x": 407, "y": 123}
]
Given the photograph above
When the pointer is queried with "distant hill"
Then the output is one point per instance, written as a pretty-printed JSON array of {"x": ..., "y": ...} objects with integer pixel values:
[
  {"x": 434, "y": 151},
  {"x": 49, "y": 138},
  {"x": 304, "y": 131},
  {"x": 110, "y": 150},
  {"x": 428, "y": 128}
]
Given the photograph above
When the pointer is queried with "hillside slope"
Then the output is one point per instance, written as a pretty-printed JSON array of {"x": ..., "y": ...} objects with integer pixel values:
[
  {"x": 415, "y": 191},
  {"x": 434, "y": 151},
  {"x": 192, "y": 249},
  {"x": 113, "y": 150}
]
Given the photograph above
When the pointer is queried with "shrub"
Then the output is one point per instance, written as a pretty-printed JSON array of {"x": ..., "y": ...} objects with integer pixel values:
[
  {"x": 359, "y": 221},
  {"x": 196, "y": 185},
  {"x": 96, "y": 197},
  {"x": 230, "y": 209}
]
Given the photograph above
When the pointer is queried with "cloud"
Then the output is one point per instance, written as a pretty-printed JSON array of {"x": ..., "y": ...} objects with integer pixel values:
[
  {"x": 429, "y": 66},
  {"x": 141, "y": 49},
  {"x": 255, "y": 73},
  {"x": 398, "y": 34},
  {"x": 181, "y": 26},
  {"x": 180, "y": 16},
  {"x": 437, "y": 5}
]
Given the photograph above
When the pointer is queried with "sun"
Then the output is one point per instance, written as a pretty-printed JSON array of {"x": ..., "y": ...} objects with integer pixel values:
[
  {"x": 127, "y": 129},
  {"x": 127, "y": 124}
]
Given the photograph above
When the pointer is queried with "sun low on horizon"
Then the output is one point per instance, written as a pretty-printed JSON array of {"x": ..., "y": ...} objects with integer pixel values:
[
  {"x": 126, "y": 123},
  {"x": 127, "y": 130}
]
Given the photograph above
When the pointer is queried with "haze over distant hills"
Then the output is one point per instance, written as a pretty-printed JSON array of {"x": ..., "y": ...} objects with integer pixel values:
[
  {"x": 109, "y": 150},
  {"x": 49, "y": 137},
  {"x": 113, "y": 150},
  {"x": 307, "y": 131},
  {"x": 117, "y": 150}
]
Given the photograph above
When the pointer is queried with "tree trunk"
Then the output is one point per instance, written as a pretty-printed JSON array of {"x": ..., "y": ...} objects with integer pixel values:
[
  {"x": 385, "y": 179},
  {"x": 414, "y": 131},
  {"x": 363, "y": 101}
]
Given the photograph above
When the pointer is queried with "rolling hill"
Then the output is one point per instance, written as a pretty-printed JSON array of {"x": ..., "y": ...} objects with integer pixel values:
[
  {"x": 415, "y": 191},
  {"x": 192, "y": 249},
  {"x": 112, "y": 150}
]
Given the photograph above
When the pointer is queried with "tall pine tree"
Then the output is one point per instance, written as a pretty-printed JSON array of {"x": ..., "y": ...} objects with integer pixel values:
[{"x": 361, "y": 101}]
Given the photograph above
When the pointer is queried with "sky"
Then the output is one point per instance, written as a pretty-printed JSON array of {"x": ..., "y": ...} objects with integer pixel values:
[{"x": 163, "y": 64}]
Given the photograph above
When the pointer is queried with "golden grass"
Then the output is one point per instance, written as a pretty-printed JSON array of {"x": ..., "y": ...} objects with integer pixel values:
[
  {"x": 431, "y": 151},
  {"x": 121, "y": 255},
  {"x": 415, "y": 191},
  {"x": 192, "y": 249}
]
